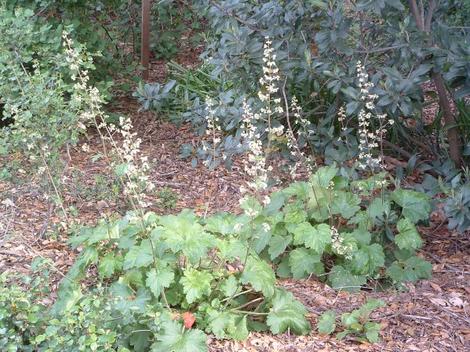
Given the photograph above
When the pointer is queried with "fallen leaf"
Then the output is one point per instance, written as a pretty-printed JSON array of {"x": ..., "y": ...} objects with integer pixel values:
[
  {"x": 188, "y": 319},
  {"x": 436, "y": 287},
  {"x": 439, "y": 301}
]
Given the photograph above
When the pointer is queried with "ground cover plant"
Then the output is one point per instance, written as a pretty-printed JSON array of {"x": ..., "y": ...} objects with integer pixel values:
[{"x": 294, "y": 120}]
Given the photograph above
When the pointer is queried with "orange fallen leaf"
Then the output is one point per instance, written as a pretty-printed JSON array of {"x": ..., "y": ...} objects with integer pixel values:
[{"x": 188, "y": 319}]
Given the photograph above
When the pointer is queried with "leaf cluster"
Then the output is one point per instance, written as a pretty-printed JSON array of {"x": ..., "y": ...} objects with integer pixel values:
[{"x": 356, "y": 323}]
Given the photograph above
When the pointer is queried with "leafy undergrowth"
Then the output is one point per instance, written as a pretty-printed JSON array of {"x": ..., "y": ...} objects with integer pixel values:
[{"x": 165, "y": 281}]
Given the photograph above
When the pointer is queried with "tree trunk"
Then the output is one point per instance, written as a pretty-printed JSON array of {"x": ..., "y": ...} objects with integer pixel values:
[
  {"x": 449, "y": 120},
  {"x": 145, "y": 44},
  {"x": 424, "y": 22}
]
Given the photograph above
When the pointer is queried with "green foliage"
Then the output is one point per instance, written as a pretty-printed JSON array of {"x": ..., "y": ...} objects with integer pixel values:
[
  {"x": 415, "y": 205},
  {"x": 172, "y": 339},
  {"x": 454, "y": 185},
  {"x": 171, "y": 20},
  {"x": 287, "y": 313},
  {"x": 457, "y": 208},
  {"x": 411, "y": 269},
  {"x": 355, "y": 323},
  {"x": 46, "y": 107},
  {"x": 317, "y": 45},
  {"x": 327, "y": 322},
  {"x": 154, "y": 268},
  {"x": 181, "y": 262},
  {"x": 167, "y": 198}
]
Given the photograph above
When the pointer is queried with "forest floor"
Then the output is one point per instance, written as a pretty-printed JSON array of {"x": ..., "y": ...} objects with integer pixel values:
[{"x": 431, "y": 315}]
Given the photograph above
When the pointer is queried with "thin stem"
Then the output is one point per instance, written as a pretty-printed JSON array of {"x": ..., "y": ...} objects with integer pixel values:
[
  {"x": 237, "y": 295},
  {"x": 249, "y": 303},
  {"x": 250, "y": 313},
  {"x": 51, "y": 179}
]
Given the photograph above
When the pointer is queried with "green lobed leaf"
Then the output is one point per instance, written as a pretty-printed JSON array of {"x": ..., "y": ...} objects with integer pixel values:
[
  {"x": 324, "y": 175},
  {"x": 251, "y": 206},
  {"x": 294, "y": 213},
  {"x": 415, "y": 205},
  {"x": 196, "y": 284},
  {"x": 407, "y": 237},
  {"x": 184, "y": 233},
  {"x": 327, "y": 322},
  {"x": 139, "y": 256},
  {"x": 304, "y": 262},
  {"x": 372, "y": 331},
  {"x": 226, "y": 324},
  {"x": 159, "y": 279},
  {"x": 140, "y": 340},
  {"x": 346, "y": 204},
  {"x": 412, "y": 269},
  {"x": 175, "y": 339},
  {"x": 362, "y": 236},
  {"x": 222, "y": 223},
  {"x": 108, "y": 265},
  {"x": 230, "y": 286},
  {"x": 368, "y": 259},
  {"x": 342, "y": 279},
  {"x": 278, "y": 245},
  {"x": 287, "y": 313},
  {"x": 314, "y": 237},
  {"x": 378, "y": 208},
  {"x": 260, "y": 275}
]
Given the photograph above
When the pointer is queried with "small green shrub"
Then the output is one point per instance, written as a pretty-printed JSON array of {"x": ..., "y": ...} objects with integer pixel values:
[
  {"x": 167, "y": 198},
  {"x": 356, "y": 323}
]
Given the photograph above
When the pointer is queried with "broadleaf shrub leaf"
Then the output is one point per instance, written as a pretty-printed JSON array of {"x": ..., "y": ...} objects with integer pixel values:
[
  {"x": 407, "y": 237},
  {"x": 287, "y": 313},
  {"x": 327, "y": 322},
  {"x": 260, "y": 275}
]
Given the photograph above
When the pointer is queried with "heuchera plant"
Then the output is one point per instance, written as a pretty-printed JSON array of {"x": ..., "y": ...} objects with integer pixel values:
[{"x": 221, "y": 269}]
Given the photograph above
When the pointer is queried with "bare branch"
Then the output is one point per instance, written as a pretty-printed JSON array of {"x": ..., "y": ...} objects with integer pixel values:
[
  {"x": 429, "y": 14},
  {"x": 416, "y": 15}
]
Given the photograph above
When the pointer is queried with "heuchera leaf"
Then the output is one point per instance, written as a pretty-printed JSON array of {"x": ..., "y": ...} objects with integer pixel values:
[
  {"x": 230, "y": 286},
  {"x": 196, "y": 284},
  {"x": 226, "y": 324},
  {"x": 368, "y": 259},
  {"x": 327, "y": 322},
  {"x": 175, "y": 339},
  {"x": 372, "y": 331},
  {"x": 140, "y": 340},
  {"x": 408, "y": 237},
  {"x": 260, "y": 275},
  {"x": 324, "y": 175},
  {"x": 415, "y": 205},
  {"x": 184, "y": 233},
  {"x": 222, "y": 223},
  {"x": 346, "y": 204},
  {"x": 139, "y": 256},
  {"x": 304, "y": 262},
  {"x": 158, "y": 279},
  {"x": 278, "y": 245},
  {"x": 342, "y": 279},
  {"x": 378, "y": 207},
  {"x": 287, "y": 313},
  {"x": 314, "y": 237},
  {"x": 108, "y": 265},
  {"x": 412, "y": 269}
]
